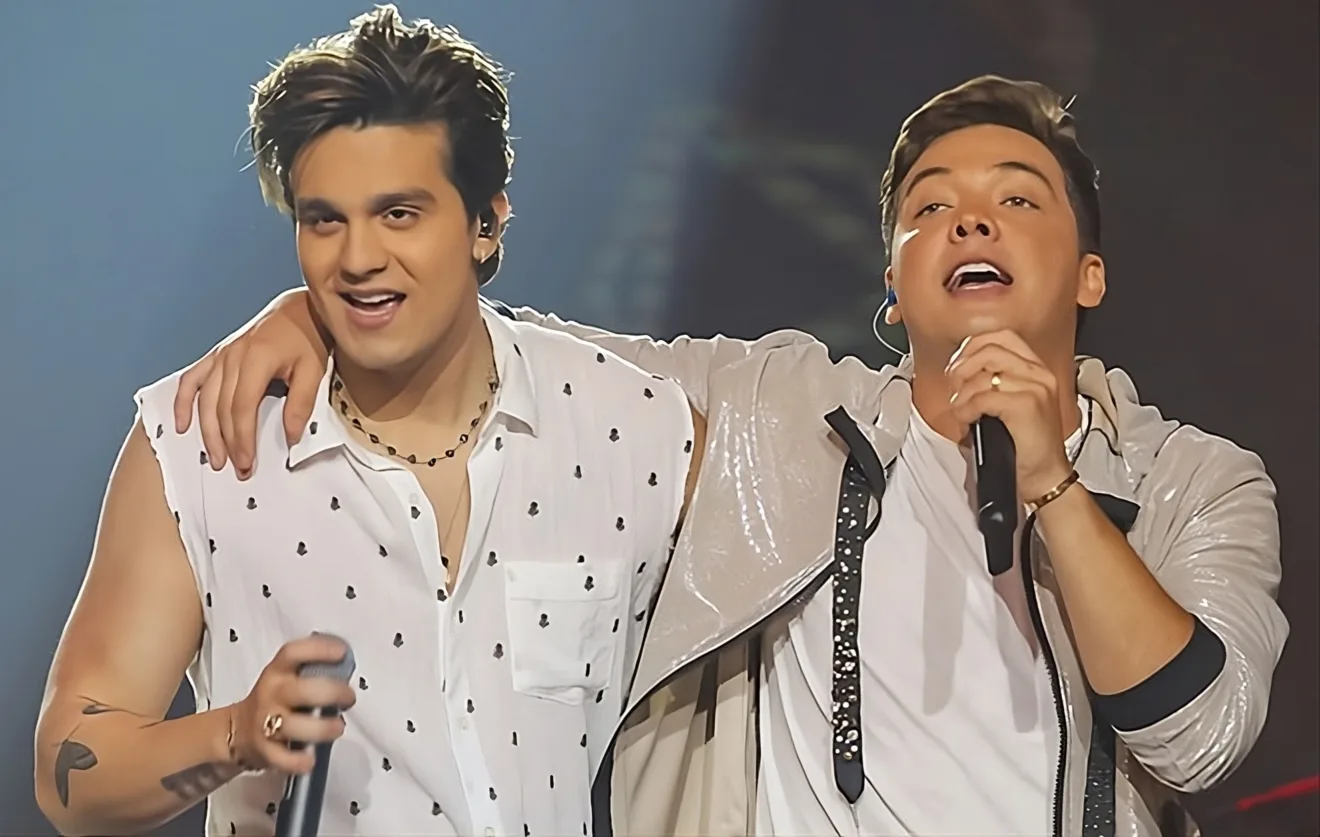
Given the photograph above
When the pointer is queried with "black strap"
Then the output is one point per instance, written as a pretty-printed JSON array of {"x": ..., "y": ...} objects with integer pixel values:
[
  {"x": 863, "y": 478},
  {"x": 869, "y": 461}
]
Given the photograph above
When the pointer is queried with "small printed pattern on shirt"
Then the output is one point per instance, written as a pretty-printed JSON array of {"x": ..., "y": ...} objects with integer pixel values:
[{"x": 486, "y": 708}]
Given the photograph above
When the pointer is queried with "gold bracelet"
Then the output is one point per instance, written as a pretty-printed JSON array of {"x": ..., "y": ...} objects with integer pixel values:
[
  {"x": 1053, "y": 494},
  {"x": 234, "y": 760}
]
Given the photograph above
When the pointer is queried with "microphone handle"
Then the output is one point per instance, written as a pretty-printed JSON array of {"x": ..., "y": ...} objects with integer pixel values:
[
  {"x": 996, "y": 491},
  {"x": 304, "y": 796}
]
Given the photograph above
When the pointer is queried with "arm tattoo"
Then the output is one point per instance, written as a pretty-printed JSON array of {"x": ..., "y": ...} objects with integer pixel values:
[
  {"x": 71, "y": 756},
  {"x": 74, "y": 755},
  {"x": 193, "y": 783}
]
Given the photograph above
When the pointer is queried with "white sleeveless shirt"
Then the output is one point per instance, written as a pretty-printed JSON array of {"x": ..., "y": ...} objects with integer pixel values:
[{"x": 484, "y": 712}]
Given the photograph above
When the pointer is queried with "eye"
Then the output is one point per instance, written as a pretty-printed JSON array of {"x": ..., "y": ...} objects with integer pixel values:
[
  {"x": 928, "y": 209},
  {"x": 1020, "y": 202},
  {"x": 321, "y": 224},
  {"x": 400, "y": 215}
]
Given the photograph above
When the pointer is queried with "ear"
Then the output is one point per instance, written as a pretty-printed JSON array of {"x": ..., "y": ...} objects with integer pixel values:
[
  {"x": 893, "y": 316},
  {"x": 1091, "y": 281},
  {"x": 484, "y": 248}
]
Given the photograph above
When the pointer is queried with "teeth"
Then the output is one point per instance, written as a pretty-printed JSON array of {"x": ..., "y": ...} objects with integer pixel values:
[
  {"x": 373, "y": 298},
  {"x": 976, "y": 267}
]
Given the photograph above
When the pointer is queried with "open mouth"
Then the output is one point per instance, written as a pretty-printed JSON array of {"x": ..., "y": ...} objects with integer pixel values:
[
  {"x": 373, "y": 302},
  {"x": 977, "y": 275}
]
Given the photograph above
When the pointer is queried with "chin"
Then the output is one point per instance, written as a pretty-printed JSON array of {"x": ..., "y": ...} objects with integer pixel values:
[
  {"x": 984, "y": 323},
  {"x": 376, "y": 354}
]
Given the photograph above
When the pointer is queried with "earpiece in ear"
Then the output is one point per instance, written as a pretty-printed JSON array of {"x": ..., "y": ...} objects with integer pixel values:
[
  {"x": 487, "y": 224},
  {"x": 882, "y": 316}
]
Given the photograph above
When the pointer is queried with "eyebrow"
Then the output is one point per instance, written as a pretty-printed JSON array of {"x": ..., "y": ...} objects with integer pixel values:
[
  {"x": 1007, "y": 165},
  {"x": 377, "y": 204}
]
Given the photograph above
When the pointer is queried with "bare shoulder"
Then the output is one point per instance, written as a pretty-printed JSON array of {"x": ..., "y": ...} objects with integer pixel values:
[
  {"x": 137, "y": 620},
  {"x": 155, "y": 403}
]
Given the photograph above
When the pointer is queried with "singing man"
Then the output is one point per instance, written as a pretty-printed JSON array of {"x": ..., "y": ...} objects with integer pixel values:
[{"x": 829, "y": 654}]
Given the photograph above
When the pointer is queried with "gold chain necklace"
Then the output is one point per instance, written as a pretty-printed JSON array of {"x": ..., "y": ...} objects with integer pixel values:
[{"x": 337, "y": 393}]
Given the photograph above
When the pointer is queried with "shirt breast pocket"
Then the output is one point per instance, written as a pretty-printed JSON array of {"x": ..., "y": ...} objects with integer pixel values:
[{"x": 563, "y": 624}]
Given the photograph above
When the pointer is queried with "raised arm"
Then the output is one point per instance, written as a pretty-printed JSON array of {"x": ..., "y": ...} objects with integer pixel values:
[
  {"x": 688, "y": 360},
  {"x": 284, "y": 343}
]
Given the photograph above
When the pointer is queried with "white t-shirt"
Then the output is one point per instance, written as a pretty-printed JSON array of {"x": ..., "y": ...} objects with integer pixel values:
[{"x": 959, "y": 730}]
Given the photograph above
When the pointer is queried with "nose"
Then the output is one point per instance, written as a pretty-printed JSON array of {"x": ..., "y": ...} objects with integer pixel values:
[
  {"x": 973, "y": 224},
  {"x": 362, "y": 256}
]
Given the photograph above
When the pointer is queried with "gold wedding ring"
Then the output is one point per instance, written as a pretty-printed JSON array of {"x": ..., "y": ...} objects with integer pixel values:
[
  {"x": 995, "y": 381},
  {"x": 274, "y": 721}
]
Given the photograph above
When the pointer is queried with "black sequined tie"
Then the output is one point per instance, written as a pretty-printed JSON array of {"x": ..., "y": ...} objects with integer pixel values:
[{"x": 863, "y": 478}]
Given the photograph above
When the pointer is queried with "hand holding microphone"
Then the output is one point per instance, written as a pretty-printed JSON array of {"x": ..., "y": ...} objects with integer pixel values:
[
  {"x": 285, "y": 708},
  {"x": 1010, "y": 400}
]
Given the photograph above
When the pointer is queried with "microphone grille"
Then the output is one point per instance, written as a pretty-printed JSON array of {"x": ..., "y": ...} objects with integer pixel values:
[{"x": 340, "y": 671}]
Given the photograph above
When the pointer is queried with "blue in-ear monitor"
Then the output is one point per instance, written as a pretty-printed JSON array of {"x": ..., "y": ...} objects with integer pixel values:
[{"x": 891, "y": 299}]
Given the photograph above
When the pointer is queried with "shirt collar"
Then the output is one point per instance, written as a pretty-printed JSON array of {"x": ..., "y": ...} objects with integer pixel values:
[
  {"x": 516, "y": 397},
  {"x": 515, "y": 400}
]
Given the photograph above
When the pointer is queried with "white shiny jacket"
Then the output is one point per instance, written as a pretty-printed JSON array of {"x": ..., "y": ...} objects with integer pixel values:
[{"x": 1198, "y": 509}]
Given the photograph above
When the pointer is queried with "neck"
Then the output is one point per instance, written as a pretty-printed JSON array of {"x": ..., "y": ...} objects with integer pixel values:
[
  {"x": 931, "y": 391},
  {"x": 442, "y": 389}
]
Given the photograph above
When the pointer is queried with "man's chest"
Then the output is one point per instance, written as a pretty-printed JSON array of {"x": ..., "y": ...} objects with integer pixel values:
[{"x": 545, "y": 582}]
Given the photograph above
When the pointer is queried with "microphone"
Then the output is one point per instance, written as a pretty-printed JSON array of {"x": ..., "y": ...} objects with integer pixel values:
[
  {"x": 996, "y": 491},
  {"x": 304, "y": 796}
]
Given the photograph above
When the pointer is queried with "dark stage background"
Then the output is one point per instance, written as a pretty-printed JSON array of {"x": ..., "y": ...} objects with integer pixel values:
[{"x": 683, "y": 167}]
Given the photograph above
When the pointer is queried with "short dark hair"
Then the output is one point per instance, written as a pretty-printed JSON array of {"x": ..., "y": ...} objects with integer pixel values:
[
  {"x": 383, "y": 71},
  {"x": 1026, "y": 106}
]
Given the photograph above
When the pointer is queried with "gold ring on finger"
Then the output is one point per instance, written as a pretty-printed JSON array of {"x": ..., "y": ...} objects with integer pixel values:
[{"x": 274, "y": 722}]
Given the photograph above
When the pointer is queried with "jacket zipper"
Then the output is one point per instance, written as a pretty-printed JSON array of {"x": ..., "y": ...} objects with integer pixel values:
[
  {"x": 1051, "y": 666},
  {"x": 789, "y": 601}
]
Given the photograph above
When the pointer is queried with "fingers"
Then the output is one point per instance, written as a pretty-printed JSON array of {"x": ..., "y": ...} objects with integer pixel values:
[
  {"x": 207, "y": 401},
  {"x": 1005, "y": 339},
  {"x": 190, "y": 383},
  {"x": 240, "y": 409},
  {"x": 304, "y": 383},
  {"x": 233, "y": 365},
  {"x": 306, "y": 728},
  {"x": 276, "y": 754},
  {"x": 289, "y": 690},
  {"x": 992, "y": 359},
  {"x": 317, "y": 648},
  {"x": 293, "y": 728},
  {"x": 270, "y": 715},
  {"x": 993, "y": 394}
]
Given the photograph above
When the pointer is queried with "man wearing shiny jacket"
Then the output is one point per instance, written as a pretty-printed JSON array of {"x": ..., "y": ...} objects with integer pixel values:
[{"x": 828, "y": 653}]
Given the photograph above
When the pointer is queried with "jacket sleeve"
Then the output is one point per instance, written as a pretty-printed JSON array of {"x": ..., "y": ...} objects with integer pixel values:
[
  {"x": 688, "y": 360},
  {"x": 1214, "y": 523}
]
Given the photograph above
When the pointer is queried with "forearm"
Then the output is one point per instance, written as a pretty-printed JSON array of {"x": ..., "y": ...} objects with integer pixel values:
[
  {"x": 691, "y": 361},
  {"x": 1126, "y": 627},
  {"x": 105, "y": 771}
]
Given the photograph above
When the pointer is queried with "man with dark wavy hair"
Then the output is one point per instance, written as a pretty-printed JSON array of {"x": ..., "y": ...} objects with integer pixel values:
[
  {"x": 481, "y": 508},
  {"x": 830, "y": 654}
]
